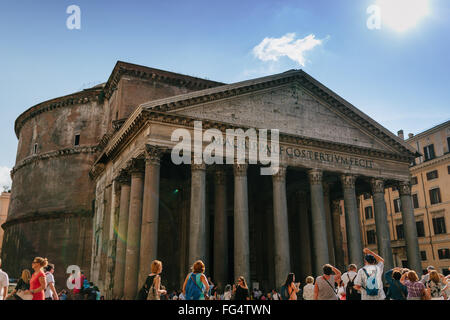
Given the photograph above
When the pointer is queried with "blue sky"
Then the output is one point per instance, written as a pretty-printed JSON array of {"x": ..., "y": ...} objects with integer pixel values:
[{"x": 401, "y": 80}]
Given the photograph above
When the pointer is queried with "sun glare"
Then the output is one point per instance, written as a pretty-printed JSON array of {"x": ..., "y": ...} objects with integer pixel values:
[{"x": 402, "y": 15}]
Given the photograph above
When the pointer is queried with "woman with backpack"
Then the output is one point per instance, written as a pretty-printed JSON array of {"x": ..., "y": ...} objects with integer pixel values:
[
  {"x": 195, "y": 285},
  {"x": 151, "y": 290},
  {"x": 290, "y": 288}
]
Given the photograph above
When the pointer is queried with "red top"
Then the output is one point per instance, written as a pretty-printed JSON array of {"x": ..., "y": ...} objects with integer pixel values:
[
  {"x": 34, "y": 284},
  {"x": 77, "y": 289}
]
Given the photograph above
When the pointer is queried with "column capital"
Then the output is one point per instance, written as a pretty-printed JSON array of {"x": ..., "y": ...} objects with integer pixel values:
[
  {"x": 135, "y": 166},
  {"x": 336, "y": 205},
  {"x": 123, "y": 177},
  {"x": 153, "y": 154},
  {"x": 404, "y": 188},
  {"x": 281, "y": 174},
  {"x": 377, "y": 185},
  {"x": 240, "y": 170},
  {"x": 315, "y": 176},
  {"x": 348, "y": 181},
  {"x": 220, "y": 175}
]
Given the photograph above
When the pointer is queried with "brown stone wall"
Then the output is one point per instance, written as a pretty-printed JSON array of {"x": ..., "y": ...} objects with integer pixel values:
[{"x": 64, "y": 240}]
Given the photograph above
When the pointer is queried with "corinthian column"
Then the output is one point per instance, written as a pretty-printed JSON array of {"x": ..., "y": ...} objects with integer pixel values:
[
  {"x": 122, "y": 230},
  {"x": 150, "y": 212},
  {"x": 319, "y": 224},
  {"x": 281, "y": 227},
  {"x": 136, "y": 168},
  {"x": 328, "y": 217},
  {"x": 241, "y": 226},
  {"x": 220, "y": 228},
  {"x": 197, "y": 223},
  {"x": 409, "y": 226},
  {"x": 381, "y": 222},
  {"x": 338, "y": 243},
  {"x": 352, "y": 220}
]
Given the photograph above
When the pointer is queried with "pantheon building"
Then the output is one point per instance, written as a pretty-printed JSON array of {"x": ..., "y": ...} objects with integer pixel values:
[{"x": 94, "y": 183}]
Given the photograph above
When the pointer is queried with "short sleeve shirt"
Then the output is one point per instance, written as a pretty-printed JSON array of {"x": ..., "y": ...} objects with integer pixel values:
[
  {"x": 415, "y": 289},
  {"x": 361, "y": 279},
  {"x": 4, "y": 282},
  {"x": 50, "y": 279},
  {"x": 348, "y": 276}
]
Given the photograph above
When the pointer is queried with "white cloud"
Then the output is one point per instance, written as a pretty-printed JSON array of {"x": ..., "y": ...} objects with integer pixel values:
[
  {"x": 5, "y": 178},
  {"x": 270, "y": 49}
]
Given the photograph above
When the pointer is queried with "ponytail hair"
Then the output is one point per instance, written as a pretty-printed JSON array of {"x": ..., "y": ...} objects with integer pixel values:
[{"x": 43, "y": 262}]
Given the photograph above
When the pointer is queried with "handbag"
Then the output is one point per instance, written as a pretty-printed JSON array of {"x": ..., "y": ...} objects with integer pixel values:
[{"x": 23, "y": 295}]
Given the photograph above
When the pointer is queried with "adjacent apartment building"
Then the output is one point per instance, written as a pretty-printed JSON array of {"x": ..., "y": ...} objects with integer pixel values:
[
  {"x": 4, "y": 204},
  {"x": 431, "y": 199}
]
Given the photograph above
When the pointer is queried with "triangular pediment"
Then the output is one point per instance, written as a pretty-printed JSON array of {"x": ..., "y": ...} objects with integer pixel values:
[
  {"x": 289, "y": 109},
  {"x": 292, "y": 102}
]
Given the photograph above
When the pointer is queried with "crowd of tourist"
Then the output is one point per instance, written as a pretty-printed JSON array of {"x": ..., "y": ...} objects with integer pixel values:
[
  {"x": 363, "y": 284},
  {"x": 41, "y": 285}
]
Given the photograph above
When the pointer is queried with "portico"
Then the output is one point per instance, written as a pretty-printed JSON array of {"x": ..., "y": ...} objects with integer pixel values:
[{"x": 236, "y": 220}]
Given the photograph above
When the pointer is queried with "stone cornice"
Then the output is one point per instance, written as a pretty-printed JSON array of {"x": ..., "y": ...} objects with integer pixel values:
[
  {"x": 142, "y": 115},
  {"x": 45, "y": 216},
  {"x": 82, "y": 97},
  {"x": 426, "y": 164},
  {"x": 151, "y": 74},
  {"x": 53, "y": 154}
]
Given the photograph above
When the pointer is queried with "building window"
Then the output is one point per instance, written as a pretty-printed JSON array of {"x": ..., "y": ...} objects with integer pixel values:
[
  {"x": 420, "y": 229},
  {"x": 423, "y": 255},
  {"x": 35, "y": 148},
  {"x": 444, "y": 254},
  {"x": 414, "y": 181},
  {"x": 415, "y": 201},
  {"x": 435, "y": 196},
  {"x": 371, "y": 239},
  {"x": 77, "y": 140},
  {"x": 400, "y": 234},
  {"x": 439, "y": 225},
  {"x": 428, "y": 152},
  {"x": 369, "y": 212},
  {"x": 448, "y": 144},
  {"x": 397, "y": 205},
  {"x": 432, "y": 175}
]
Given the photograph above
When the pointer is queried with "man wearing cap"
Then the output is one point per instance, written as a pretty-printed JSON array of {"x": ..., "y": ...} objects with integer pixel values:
[{"x": 373, "y": 266}]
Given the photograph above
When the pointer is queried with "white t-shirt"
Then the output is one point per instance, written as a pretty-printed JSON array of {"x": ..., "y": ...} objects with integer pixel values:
[
  {"x": 50, "y": 279},
  {"x": 276, "y": 296},
  {"x": 308, "y": 292},
  {"x": 4, "y": 282},
  {"x": 345, "y": 277},
  {"x": 361, "y": 281}
]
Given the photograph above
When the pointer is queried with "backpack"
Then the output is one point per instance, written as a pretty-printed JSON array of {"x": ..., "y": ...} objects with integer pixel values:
[
  {"x": 350, "y": 292},
  {"x": 371, "y": 283},
  {"x": 193, "y": 291},
  {"x": 284, "y": 293}
]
